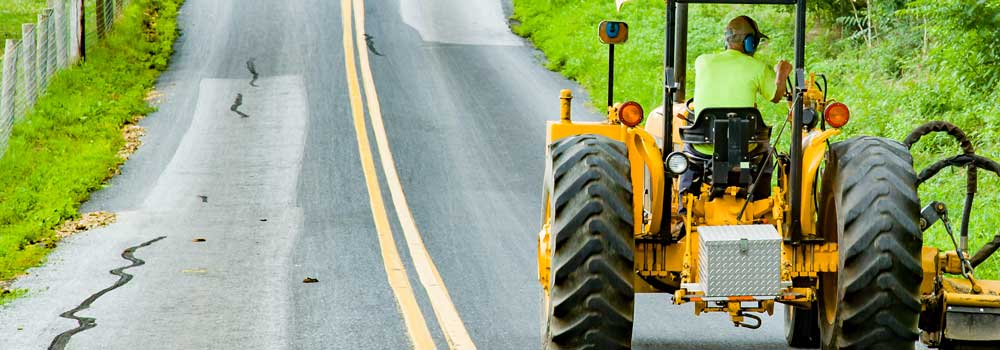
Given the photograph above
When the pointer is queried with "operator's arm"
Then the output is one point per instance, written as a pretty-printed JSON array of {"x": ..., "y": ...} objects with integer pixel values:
[{"x": 781, "y": 70}]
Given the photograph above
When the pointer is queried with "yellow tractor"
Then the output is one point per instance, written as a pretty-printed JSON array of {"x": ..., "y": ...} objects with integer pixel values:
[{"x": 838, "y": 239}]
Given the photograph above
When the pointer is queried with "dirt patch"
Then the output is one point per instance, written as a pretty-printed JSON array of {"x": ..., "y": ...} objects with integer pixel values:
[
  {"x": 154, "y": 97},
  {"x": 88, "y": 221},
  {"x": 133, "y": 134}
]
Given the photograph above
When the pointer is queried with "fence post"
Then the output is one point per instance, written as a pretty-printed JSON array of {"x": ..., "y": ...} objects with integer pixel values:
[
  {"x": 53, "y": 53},
  {"x": 7, "y": 90},
  {"x": 73, "y": 45},
  {"x": 42, "y": 51},
  {"x": 60, "y": 31},
  {"x": 28, "y": 65},
  {"x": 99, "y": 11},
  {"x": 81, "y": 26}
]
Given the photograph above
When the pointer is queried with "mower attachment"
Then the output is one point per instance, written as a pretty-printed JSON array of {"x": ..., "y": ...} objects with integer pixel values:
[
  {"x": 971, "y": 323},
  {"x": 962, "y": 311}
]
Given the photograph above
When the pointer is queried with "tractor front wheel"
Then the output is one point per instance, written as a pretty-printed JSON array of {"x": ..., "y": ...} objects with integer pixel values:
[
  {"x": 590, "y": 301},
  {"x": 869, "y": 206}
]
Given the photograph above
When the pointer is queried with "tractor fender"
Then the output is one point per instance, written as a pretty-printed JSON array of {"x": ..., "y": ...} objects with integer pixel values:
[{"x": 814, "y": 148}]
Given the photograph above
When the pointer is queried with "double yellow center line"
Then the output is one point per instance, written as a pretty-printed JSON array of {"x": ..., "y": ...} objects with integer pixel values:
[{"x": 444, "y": 310}]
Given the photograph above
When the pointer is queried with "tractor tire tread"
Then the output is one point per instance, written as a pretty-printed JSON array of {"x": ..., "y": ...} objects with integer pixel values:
[
  {"x": 592, "y": 291},
  {"x": 880, "y": 244}
]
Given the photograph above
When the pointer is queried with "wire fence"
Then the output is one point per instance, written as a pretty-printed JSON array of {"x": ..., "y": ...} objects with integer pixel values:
[{"x": 57, "y": 40}]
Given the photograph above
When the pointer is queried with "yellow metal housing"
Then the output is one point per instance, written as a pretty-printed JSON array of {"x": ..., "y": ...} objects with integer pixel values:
[
  {"x": 958, "y": 291},
  {"x": 544, "y": 249},
  {"x": 806, "y": 260},
  {"x": 645, "y": 159},
  {"x": 814, "y": 152},
  {"x": 723, "y": 210},
  {"x": 929, "y": 268}
]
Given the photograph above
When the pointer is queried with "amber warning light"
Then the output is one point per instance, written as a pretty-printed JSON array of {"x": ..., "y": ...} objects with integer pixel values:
[
  {"x": 837, "y": 115},
  {"x": 630, "y": 113}
]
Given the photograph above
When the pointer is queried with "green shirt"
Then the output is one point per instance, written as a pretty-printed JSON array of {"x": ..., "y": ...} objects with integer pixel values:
[{"x": 730, "y": 79}]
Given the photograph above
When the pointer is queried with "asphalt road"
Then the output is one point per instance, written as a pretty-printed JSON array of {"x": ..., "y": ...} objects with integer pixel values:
[{"x": 282, "y": 194}]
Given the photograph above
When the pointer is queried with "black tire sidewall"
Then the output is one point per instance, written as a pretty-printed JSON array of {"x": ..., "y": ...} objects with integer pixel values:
[
  {"x": 600, "y": 164},
  {"x": 900, "y": 197}
]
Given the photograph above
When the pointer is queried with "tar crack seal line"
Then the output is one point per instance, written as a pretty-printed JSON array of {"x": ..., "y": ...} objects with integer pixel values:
[
  {"x": 370, "y": 40},
  {"x": 85, "y": 323},
  {"x": 253, "y": 70},
  {"x": 236, "y": 106}
]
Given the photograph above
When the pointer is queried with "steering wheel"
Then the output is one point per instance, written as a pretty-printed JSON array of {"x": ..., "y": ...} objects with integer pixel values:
[{"x": 689, "y": 106}]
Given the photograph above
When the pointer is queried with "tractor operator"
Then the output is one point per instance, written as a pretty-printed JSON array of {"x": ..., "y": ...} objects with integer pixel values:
[{"x": 732, "y": 78}]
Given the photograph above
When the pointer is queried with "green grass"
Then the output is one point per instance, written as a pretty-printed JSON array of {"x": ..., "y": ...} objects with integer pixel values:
[
  {"x": 67, "y": 147},
  {"x": 888, "y": 86},
  {"x": 8, "y": 295},
  {"x": 15, "y": 12}
]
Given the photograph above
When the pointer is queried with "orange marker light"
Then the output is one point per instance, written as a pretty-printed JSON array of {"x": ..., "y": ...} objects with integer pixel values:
[
  {"x": 837, "y": 114},
  {"x": 630, "y": 113}
]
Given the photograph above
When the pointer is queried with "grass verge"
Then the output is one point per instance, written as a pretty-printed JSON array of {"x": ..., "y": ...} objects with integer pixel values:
[
  {"x": 69, "y": 145},
  {"x": 884, "y": 102}
]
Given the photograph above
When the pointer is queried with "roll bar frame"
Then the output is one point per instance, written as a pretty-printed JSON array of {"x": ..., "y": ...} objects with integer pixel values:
[{"x": 674, "y": 78}]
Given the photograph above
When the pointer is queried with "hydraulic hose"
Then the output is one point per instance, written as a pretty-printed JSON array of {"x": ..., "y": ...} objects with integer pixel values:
[
  {"x": 988, "y": 249},
  {"x": 973, "y": 163},
  {"x": 940, "y": 126},
  {"x": 961, "y": 160},
  {"x": 972, "y": 176}
]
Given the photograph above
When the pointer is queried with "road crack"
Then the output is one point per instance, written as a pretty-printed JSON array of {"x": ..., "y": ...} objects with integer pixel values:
[{"x": 85, "y": 323}]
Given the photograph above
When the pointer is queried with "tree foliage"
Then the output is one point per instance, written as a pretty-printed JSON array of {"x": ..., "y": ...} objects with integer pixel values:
[{"x": 963, "y": 42}]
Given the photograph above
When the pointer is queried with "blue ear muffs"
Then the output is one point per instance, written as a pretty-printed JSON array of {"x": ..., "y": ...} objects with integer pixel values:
[
  {"x": 750, "y": 44},
  {"x": 752, "y": 41}
]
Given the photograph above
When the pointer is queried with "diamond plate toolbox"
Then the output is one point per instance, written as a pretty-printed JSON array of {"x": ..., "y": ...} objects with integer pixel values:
[{"x": 739, "y": 260}]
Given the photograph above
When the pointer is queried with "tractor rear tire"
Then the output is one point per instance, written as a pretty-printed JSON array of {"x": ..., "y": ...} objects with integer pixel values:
[
  {"x": 801, "y": 327},
  {"x": 869, "y": 206},
  {"x": 591, "y": 293}
]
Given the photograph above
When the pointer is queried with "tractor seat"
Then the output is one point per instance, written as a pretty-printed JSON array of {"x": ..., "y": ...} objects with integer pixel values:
[
  {"x": 738, "y": 138},
  {"x": 702, "y": 132}
]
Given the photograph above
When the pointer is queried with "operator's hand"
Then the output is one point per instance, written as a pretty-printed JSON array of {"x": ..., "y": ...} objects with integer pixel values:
[{"x": 783, "y": 69}]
